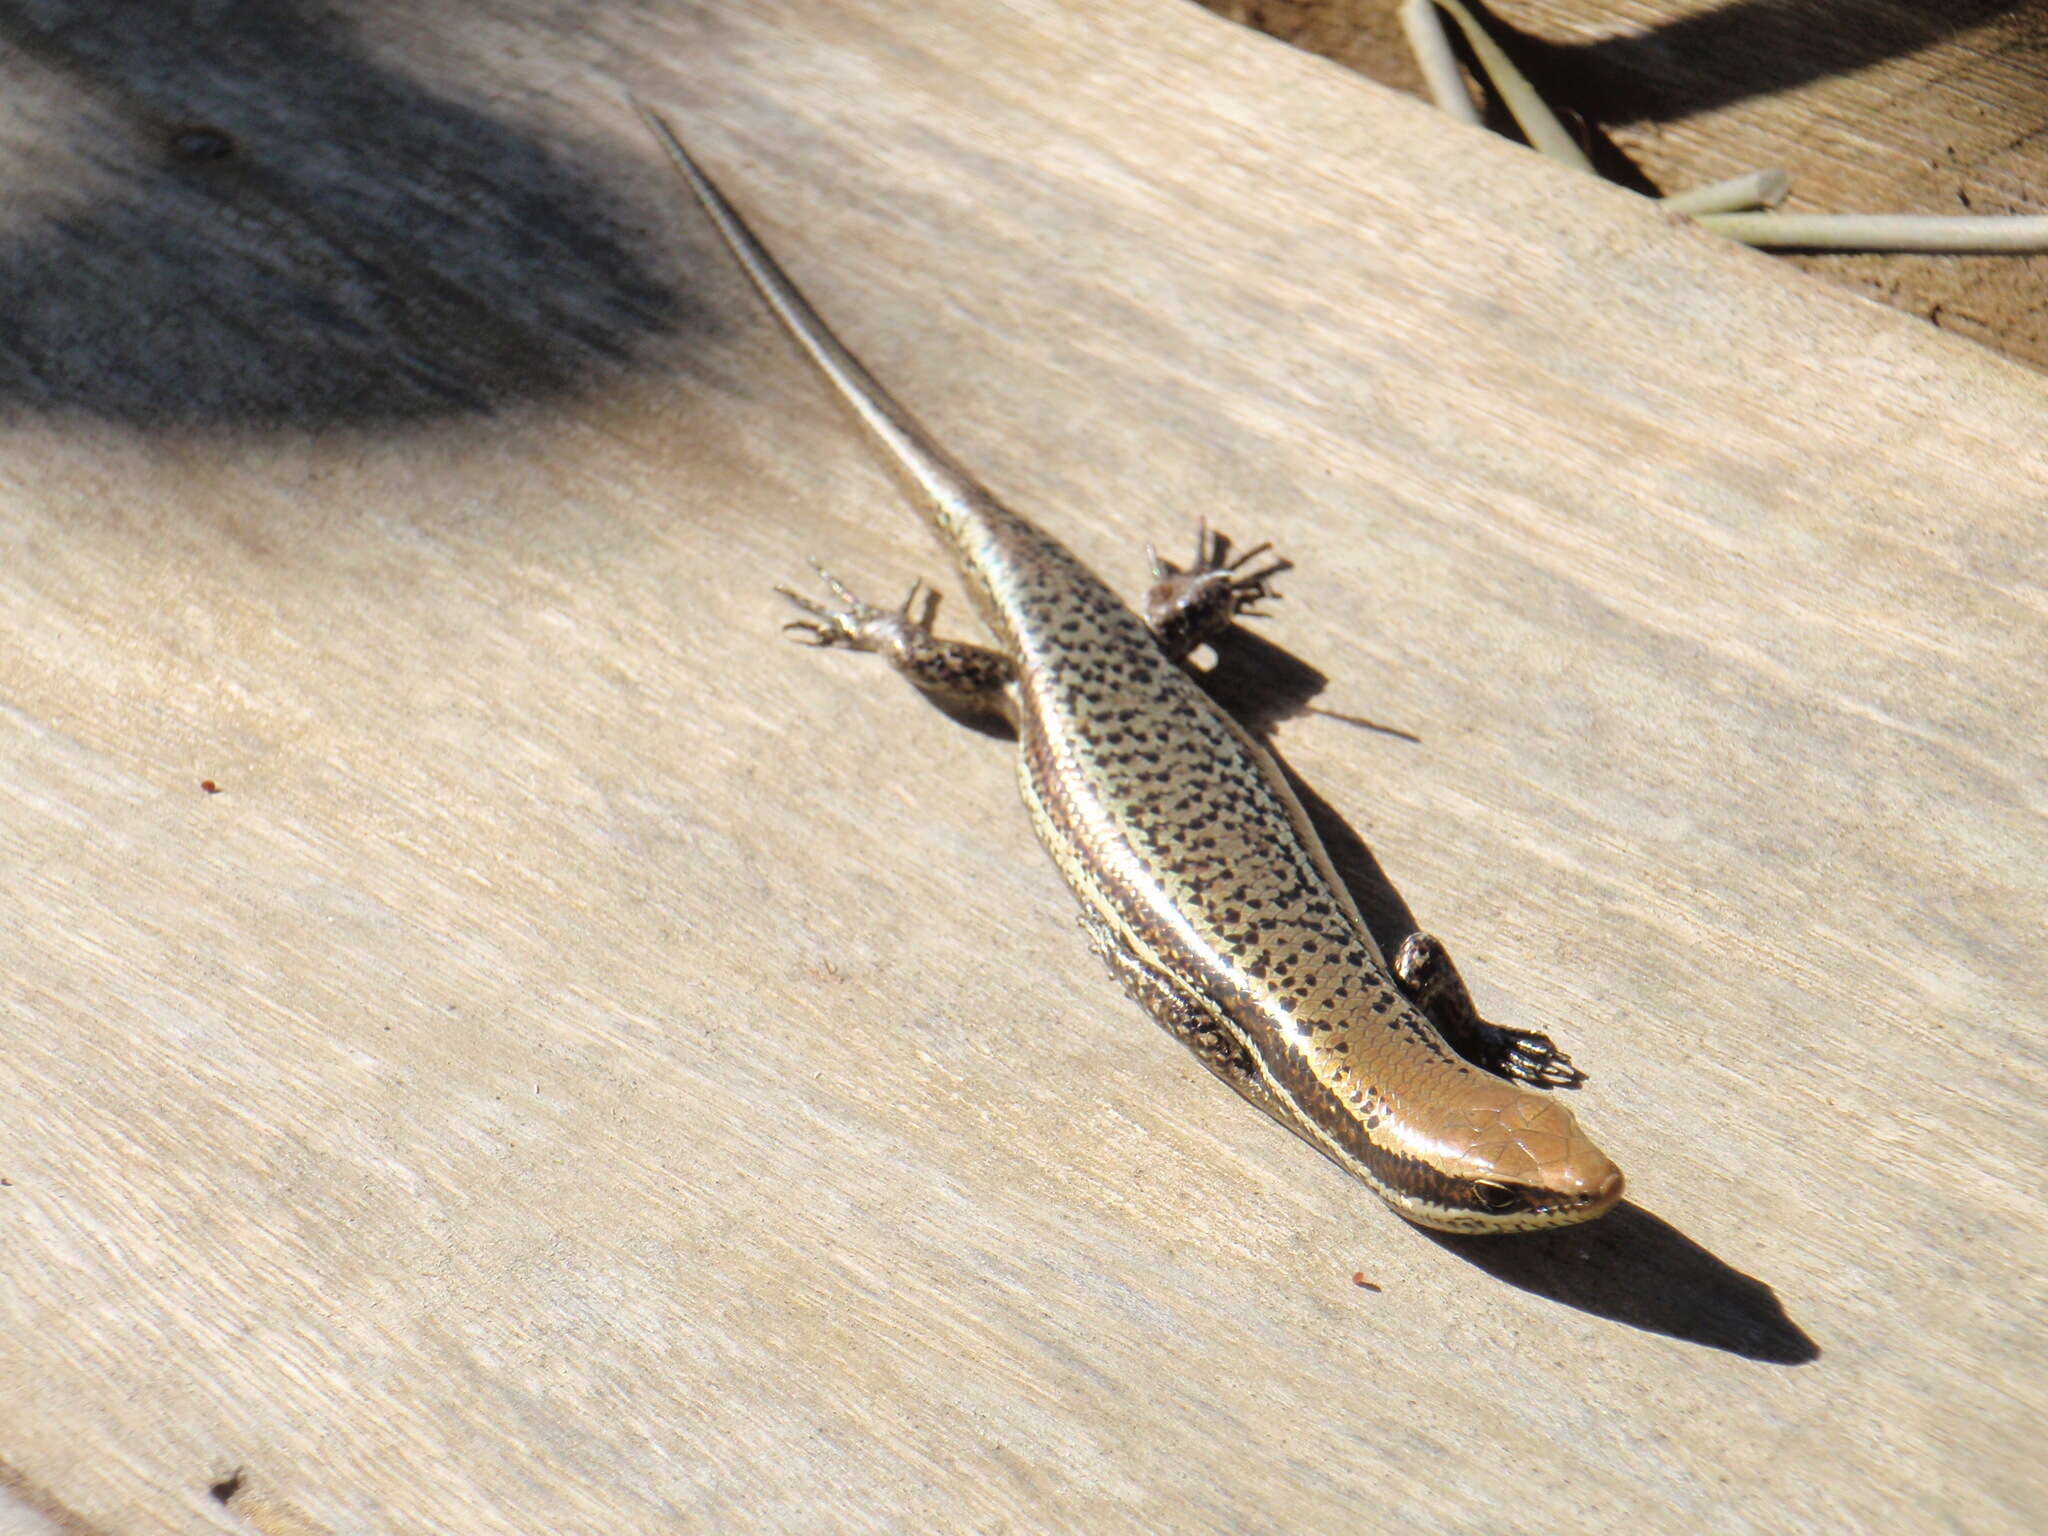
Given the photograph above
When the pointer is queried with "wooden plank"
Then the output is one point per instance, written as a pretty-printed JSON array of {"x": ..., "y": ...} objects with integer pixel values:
[
  {"x": 592, "y": 1067},
  {"x": 1875, "y": 108},
  {"x": 1872, "y": 106}
]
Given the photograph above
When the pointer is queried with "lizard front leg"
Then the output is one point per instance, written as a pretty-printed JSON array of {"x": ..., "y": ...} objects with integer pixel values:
[
  {"x": 1425, "y": 973},
  {"x": 969, "y": 682},
  {"x": 1189, "y": 608}
]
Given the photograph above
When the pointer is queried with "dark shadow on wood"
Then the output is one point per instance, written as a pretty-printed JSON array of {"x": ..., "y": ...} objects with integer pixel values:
[
  {"x": 1629, "y": 1266},
  {"x": 1261, "y": 685},
  {"x": 1609, "y": 158},
  {"x": 235, "y": 216},
  {"x": 1534, "y": 60},
  {"x": 1637, "y": 1269},
  {"x": 1738, "y": 50}
]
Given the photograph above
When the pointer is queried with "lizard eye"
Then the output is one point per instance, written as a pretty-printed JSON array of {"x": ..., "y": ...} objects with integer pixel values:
[{"x": 1496, "y": 1197}]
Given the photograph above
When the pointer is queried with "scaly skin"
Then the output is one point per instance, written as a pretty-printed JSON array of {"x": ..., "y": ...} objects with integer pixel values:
[{"x": 1199, "y": 875}]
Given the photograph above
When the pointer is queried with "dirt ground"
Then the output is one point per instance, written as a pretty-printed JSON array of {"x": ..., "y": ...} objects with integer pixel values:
[{"x": 1870, "y": 105}]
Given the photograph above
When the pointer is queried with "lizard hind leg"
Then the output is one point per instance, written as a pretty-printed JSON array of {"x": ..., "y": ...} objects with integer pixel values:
[
  {"x": 969, "y": 682},
  {"x": 1188, "y": 608},
  {"x": 1424, "y": 971}
]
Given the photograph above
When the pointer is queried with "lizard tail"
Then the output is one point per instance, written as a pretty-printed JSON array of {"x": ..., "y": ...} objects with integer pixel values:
[{"x": 952, "y": 500}]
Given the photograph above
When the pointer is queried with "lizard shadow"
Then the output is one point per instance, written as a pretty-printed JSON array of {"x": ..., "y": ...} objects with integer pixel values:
[{"x": 1631, "y": 1266}]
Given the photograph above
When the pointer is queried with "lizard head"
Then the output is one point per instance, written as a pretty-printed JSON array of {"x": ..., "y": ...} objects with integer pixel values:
[{"x": 1508, "y": 1160}]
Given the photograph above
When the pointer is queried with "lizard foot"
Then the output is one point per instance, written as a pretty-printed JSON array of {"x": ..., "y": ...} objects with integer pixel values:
[
  {"x": 856, "y": 625},
  {"x": 1433, "y": 984},
  {"x": 970, "y": 682},
  {"x": 1189, "y": 607}
]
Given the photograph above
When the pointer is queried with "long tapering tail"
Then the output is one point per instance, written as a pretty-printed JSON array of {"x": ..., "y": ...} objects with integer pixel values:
[{"x": 951, "y": 497}]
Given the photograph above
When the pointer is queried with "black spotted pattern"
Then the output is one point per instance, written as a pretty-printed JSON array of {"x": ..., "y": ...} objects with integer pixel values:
[{"x": 1180, "y": 833}]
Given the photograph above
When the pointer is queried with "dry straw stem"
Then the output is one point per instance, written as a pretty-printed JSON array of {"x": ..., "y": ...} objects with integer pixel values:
[
  {"x": 1431, "y": 46},
  {"x": 1727, "y": 208},
  {"x": 1752, "y": 189},
  {"x": 2011, "y": 234},
  {"x": 1545, "y": 133}
]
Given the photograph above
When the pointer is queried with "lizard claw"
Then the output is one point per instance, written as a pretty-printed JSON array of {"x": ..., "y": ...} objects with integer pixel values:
[
  {"x": 1187, "y": 607},
  {"x": 812, "y": 632},
  {"x": 1535, "y": 1059},
  {"x": 855, "y": 624},
  {"x": 929, "y": 615},
  {"x": 1213, "y": 558},
  {"x": 827, "y": 627}
]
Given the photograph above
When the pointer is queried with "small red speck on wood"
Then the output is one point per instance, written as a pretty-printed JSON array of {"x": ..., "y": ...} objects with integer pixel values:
[
  {"x": 1364, "y": 1284},
  {"x": 209, "y": 786}
]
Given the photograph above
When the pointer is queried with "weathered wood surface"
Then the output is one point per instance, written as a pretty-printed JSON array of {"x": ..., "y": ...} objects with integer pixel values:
[
  {"x": 1873, "y": 106},
  {"x": 594, "y": 1067}
]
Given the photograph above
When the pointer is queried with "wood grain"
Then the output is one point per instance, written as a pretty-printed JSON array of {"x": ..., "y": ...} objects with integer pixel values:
[
  {"x": 592, "y": 1067},
  {"x": 1872, "y": 106}
]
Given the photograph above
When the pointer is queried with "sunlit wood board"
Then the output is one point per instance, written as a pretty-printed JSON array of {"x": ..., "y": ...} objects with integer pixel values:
[{"x": 589, "y": 1065}]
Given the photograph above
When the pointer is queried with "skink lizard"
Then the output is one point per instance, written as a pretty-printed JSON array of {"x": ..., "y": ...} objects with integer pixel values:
[{"x": 1200, "y": 879}]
